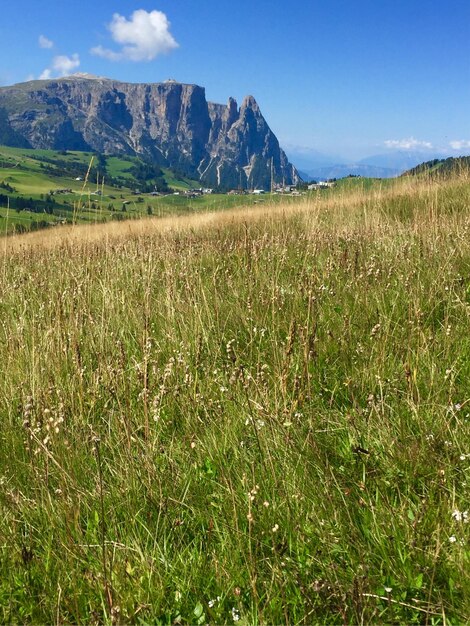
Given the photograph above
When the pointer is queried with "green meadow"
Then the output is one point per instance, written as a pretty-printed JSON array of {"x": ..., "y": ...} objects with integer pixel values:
[
  {"x": 259, "y": 415},
  {"x": 57, "y": 187}
]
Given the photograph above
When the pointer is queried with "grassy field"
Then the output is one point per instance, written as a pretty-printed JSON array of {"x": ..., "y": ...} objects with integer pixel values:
[
  {"x": 35, "y": 176},
  {"x": 260, "y": 415}
]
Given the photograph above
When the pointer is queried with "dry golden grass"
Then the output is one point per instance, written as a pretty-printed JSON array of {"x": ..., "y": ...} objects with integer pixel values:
[
  {"x": 342, "y": 208},
  {"x": 345, "y": 211}
]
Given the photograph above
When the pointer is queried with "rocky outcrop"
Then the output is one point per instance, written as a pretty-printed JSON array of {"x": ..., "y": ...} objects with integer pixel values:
[{"x": 171, "y": 123}]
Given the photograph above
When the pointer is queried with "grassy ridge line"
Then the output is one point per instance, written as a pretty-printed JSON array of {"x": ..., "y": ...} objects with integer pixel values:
[
  {"x": 336, "y": 209},
  {"x": 261, "y": 416},
  {"x": 117, "y": 231}
]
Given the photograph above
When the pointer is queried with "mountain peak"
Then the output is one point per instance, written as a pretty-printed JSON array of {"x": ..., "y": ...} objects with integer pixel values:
[{"x": 249, "y": 102}]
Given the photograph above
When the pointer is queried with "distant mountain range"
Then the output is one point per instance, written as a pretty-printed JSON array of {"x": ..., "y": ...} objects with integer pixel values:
[
  {"x": 170, "y": 123},
  {"x": 340, "y": 171},
  {"x": 386, "y": 165}
]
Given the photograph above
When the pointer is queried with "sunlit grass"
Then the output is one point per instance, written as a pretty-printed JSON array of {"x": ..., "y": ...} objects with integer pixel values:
[{"x": 259, "y": 415}]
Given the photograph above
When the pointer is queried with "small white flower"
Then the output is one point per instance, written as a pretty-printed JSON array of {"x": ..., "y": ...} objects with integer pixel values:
[
  {"x": 452, "y": 539},
  {"x": 375, "y": 330},
  {"x": 460, "y": 516},
  {"x": 275, "y": 528},
  {"x": 235, "y": 614},
  {"x": 388, "y": 589}
]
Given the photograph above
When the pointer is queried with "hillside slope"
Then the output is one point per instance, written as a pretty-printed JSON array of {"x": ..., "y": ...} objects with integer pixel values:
[{"x": 446, "y": 167}]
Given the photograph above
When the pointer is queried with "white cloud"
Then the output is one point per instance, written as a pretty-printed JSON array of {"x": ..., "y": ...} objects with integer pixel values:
[
  {"x": 142, "y": 38},
  {"x": 408, "y": 144},
  {"x": 44, "y": 42},
  {"x": 61, "y": 66},
  {"x": 462, "y": 144},
  {"x": 64, "y": 65},
  {"x": 99, "y": 51}
]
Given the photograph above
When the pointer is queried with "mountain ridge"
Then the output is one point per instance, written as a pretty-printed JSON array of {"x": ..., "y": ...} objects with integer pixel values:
[{"x": 170, "y": 123}]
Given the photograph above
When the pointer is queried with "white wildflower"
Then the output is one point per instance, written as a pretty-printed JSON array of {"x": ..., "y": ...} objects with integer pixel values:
[
  {"x": 375, "y": 330},
  {"x": 460, "y": 516}
]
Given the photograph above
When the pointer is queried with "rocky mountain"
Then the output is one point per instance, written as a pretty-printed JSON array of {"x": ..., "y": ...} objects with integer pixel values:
[{"x": 170, "y": 123}]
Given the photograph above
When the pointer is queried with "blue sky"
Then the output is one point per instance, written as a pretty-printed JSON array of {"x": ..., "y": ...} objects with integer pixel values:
[{"x": 343, "y": 77}]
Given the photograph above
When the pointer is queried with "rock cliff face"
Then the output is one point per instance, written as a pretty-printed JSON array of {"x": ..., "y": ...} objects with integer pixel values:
[{"x": 171, "y": 123}]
